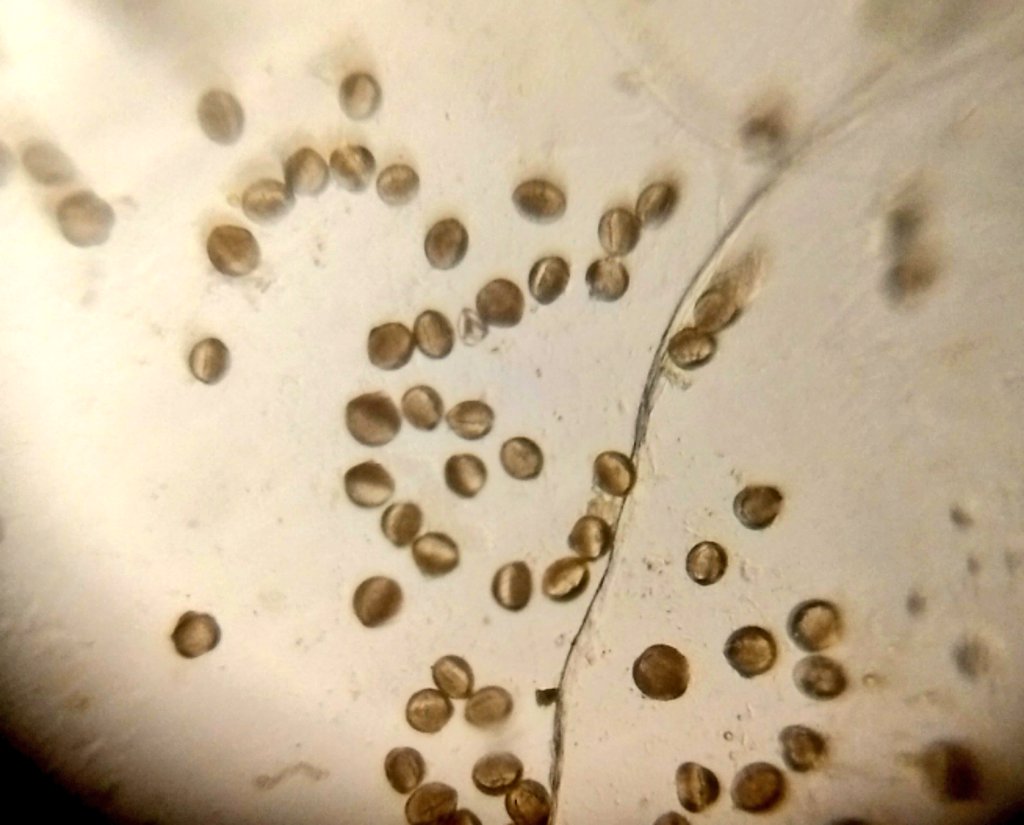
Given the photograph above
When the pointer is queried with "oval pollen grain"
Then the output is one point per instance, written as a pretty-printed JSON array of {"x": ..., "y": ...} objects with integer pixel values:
[
  {"x": 428, "y": 710},
  {"x": 512, "y": 585},
  {"x": 690, "y": 348},
  {"x": 500, "y": 303},
  {"x": 220, "y": 116},
  {"x": 528, "y": 803},
  {"x": 465, "y": 474},
  {"x": 757, "y": 506},
  {"x": 548, "y": 279},
  {"x": 614, "y": 473},
  {"x": 431, "y": 804},
  {"x": 85, "y": 219},
  {"x": 353, "y": 167},
  {"x": 618, "y": 231},
  {"x": 434, "y": 334},
  {"x": 714, "y": 310},
  {"x": 814, "y": 625},
  {"x": 397, "y": 184},
  {"x": 565, "y": 578},
  {"x": 46, "y": 163},
  {"x": 803, "y": 748},
  {"x": 539, "y": 200},
  {"x": 706, "y": 562},
  {"x": 488, "y": 706},
  {"x": 267, "y": 200},
  {"x": 306, "y": 172},
  {"x": 696, "y": 786},
  {"x": 369, "y": 484},
  {"x": 376, "y": 600},
  {"x": 590, "y": 537},
  {"x": 470, "y": 419},
  {"x": 758, "y": 787},
  {"x": 422, "y": 407},
  {"x": 819, "y": 677},
  {"x": 750, "y": 651},
  {"x": 521, "y": 458},
  {"x": 209, "y": 360},
  {"x": 233, "y": 250},
  {"x": 404, "y": 769},
  {"x": 389, "y": 346},
  {"x": 607, "y": 279},
  {"x": 372, "y": 419},
  {"x": 656, "y": 203},
  {"x": 359, "y": 95},
  {"x": 401, "y": 522},
  {"x": 453, "y": 676},
  {"x": 446, "y": 243},
  {"x": 495, "y": 773},
  {"x": 435, "y": 554},
  {"x": 195, "y": 634},
  {"x": 661, "y": 672}
]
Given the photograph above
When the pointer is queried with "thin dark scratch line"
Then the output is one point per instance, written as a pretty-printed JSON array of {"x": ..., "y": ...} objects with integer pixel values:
[
  {"x": 644, "y": 411},
  {"x": 846, "y": 111}
]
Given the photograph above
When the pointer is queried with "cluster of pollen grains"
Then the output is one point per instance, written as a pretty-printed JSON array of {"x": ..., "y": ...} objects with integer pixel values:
[
  {"x": 494, "y": 773},
  {"x": 663, "y": 673}
]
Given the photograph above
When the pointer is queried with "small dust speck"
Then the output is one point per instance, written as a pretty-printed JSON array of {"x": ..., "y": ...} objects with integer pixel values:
[
  {"x": 960, "y": 517},
  {"x": 971, "y": 656},
  {"x": 951, "y": 771},
  {"x": 916, "y": 603}
]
